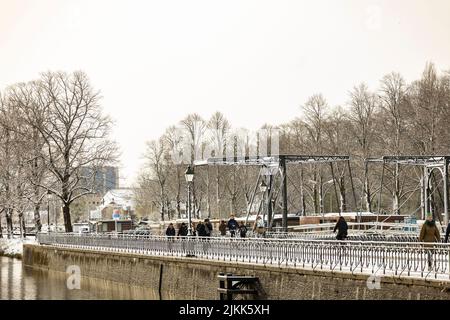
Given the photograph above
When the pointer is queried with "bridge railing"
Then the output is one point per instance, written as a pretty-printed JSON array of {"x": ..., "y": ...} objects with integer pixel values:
[{"x": 402, "y": 259}]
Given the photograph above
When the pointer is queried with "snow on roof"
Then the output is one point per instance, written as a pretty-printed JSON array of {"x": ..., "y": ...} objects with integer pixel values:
[{"x": 119, "y": 197}]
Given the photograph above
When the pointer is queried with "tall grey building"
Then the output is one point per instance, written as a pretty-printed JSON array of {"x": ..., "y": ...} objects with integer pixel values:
[{"x": 105, "y": 178}]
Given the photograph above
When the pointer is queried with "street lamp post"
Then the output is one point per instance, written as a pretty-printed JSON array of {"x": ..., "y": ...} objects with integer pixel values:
[{"x": 189, "y": 175}]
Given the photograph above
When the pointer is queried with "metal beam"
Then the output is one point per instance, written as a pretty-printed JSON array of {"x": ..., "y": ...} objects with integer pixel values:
[
  {"x": 427, "y": 160},
  {"x": 273, "y": 160}
]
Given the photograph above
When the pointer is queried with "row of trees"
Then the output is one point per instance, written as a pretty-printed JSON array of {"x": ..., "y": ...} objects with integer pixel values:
[
  {"x": 397, "y": 118},
  {"x": 53, "y": 139}
]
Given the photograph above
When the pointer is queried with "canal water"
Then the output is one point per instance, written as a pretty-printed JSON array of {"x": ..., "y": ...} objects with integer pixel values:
[{"x": 18, "y": 282}]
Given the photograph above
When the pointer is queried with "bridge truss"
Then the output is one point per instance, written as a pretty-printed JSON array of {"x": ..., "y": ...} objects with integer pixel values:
[
  {"x": 275, "y": 167},
  {"x": 429, "y": 163}
]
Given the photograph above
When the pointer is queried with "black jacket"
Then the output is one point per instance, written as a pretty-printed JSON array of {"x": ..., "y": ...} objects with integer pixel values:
[
  {"x": 183, "y": 231},
  {"x": 242, "y": 231},
  {"x": 201, "y": 230},
  {"x": 170, "y": 232},
  {"x": 342, "y": 228},
  {"x": 209, "y": 228}
]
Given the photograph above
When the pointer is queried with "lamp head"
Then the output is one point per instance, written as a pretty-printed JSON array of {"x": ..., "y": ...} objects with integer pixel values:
[
  {"x": 189, "y": 174},
  {"x": 263, "y": 187}
]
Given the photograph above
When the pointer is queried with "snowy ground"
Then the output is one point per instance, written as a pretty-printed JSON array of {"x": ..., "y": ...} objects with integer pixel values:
[{"x": 14, "y": 247}]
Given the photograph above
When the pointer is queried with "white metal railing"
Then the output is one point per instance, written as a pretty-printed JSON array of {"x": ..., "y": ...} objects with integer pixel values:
[
  {"x": 402, "y": 259},
  {"x": 358, "y": 226}
]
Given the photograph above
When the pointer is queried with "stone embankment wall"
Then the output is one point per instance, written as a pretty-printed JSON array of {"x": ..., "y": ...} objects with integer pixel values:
[{"x": 191, "y": 278}]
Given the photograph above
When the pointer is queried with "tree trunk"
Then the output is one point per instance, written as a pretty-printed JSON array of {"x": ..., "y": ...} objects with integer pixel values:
[
  {"x": 321, "y": 209},
  {"x": 343, "y": 199},
  {"x": 178, "y": 197},
  {"x": 9, "y": 224},
  {"x": 178, "y": 207},
  {"x": 367, "y": 189},
  {"x": 67, "y": 220},
  {"x": 37, "y": 218},
  {"x": 208, "y": 203},
  {"x": 162, "y": 210},
  {"x": 1, "y": 232},
  {"x": 168, "y": 209},
  {"x": 396, "y": 192},
  {"x": 22, "y": 225},
  {"x": 315, "y": 193},
  {"x": 217, "y": 192},
  {"x": 302, "y": 195}
]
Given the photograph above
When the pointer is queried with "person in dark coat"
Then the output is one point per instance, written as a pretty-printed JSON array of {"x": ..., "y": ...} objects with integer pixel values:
[
  {"x": 429, "y": 231},
  {"x": 223, "y": 228},
  {"x": 429, "y": 234},
  {"x": 342, "y": 228},
  {"x": 209, "y": 228},
  {"x": 242, "y": 230},
  {"x": 232, "y": 225},
  {"x": 183, "y": 230},
  {"x": 170, "y": 231},
  {"x": 201, "y": 229}
]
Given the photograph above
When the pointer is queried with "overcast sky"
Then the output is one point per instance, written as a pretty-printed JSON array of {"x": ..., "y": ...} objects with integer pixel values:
[{"x": 255, "y": 61}]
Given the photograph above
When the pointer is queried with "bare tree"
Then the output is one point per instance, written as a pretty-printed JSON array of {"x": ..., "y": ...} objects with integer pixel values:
[
  {"x": 174, "y": 142},
  {"x": 394, "y": 97},
  {"x": 22, "y": 97},
  {"x": 67, "y": 114},
  {"x": 315, "y": 110},
  {"x": 363, "y": 107},
  {"x": 429, "y": 98},
  {"x": 219, "y": 128},
  {"x": 158, "y": 170},
  {"x": 339, "y": 142},
  {"x": 6, "y": 167},
  {"x": 195, "y": 127}
]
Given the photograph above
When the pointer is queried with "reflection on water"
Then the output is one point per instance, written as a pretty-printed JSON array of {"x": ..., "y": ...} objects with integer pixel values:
[{"x": 17, "y": 282}]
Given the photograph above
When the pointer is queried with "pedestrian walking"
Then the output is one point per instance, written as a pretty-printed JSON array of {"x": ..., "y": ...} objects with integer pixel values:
[
  {"x": 208, "y": 227},
  {"x": 232, "y": 225},
  {"x": 201, "y": 229},
  {"x": 242, "y": 230},
  {"x": 183, "y": 230},
  {"x": 429, "y": 234},
  {"x": 258, "y": 227},
  {"x": 170, "y": 231},
  {"x": 342, "y": 228},
  {"x": 223, "y": 228}
]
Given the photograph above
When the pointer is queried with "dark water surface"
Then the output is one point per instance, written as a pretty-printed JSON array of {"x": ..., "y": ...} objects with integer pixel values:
[{"x": 18, "y": 282}]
